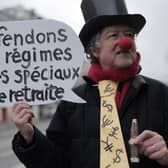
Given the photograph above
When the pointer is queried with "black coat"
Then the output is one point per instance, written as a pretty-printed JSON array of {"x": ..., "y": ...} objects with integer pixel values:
[{"x": 73, "y": 135}]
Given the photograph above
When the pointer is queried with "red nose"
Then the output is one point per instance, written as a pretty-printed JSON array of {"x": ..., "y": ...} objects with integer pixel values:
[{"x": 126, "y": 43}]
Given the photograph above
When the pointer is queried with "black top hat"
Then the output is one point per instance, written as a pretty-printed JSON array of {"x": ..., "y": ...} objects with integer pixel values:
[{"x": 101, "y": 13}]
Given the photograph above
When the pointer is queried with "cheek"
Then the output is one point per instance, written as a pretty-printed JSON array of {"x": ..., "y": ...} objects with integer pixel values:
[
  {"x": 107, "y": 51},
  {"x": 106, "y": 54},
  {"x": 107, "y": 58}
]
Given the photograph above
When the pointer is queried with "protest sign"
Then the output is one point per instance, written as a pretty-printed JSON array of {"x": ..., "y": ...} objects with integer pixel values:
[{"x": 40, "y": 61}]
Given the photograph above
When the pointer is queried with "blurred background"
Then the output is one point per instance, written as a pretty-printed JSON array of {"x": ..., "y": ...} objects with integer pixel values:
[{"x": 151, "y": 42}]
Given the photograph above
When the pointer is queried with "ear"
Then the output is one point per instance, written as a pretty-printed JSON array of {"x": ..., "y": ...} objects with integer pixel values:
[{"x": 95, "y": 52}]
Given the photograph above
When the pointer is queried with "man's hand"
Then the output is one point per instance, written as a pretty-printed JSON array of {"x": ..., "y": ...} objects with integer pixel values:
[
  {"x": 153, "y": 146},
  {"x": 22, "y": 118}
]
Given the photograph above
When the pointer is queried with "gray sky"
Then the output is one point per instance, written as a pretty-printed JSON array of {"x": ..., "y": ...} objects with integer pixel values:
[{"x": 151, "y": 42}]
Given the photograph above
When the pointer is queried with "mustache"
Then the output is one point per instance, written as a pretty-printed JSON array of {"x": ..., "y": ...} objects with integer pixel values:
[{"x": 122, "y": 51}]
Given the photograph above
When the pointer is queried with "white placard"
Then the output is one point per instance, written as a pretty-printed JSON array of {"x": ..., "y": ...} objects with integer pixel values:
[{"x": 40, "y": 62}]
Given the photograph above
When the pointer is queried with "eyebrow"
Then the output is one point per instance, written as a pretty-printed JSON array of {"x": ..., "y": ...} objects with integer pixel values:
[{"x": 115, "y": 31}]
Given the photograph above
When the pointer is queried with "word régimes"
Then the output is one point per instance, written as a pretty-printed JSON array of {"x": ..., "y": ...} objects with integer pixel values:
[{"x": 26, "y": 56}]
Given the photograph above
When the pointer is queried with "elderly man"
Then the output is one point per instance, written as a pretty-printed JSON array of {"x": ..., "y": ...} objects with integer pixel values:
[{"x": 73, "y": 137}]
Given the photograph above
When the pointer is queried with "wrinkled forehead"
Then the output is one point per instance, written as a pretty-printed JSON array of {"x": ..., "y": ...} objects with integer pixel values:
[{"x": 116, "y": 28}]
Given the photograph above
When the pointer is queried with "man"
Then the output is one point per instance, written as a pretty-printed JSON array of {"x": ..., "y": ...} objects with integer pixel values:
[{"x": 73, "y": 136}]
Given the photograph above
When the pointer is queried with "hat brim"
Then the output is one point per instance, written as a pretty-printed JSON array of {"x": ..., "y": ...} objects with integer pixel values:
[{"x": 94, "y": 25}]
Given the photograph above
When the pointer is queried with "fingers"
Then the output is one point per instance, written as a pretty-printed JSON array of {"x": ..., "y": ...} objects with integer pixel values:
[
  {"x": 145, "y": 135},
  {"x": 154, "y": 151},
  {"x": 18, "y": 106},
  {"x": 147, "y": 139},
  {"x": 151, "y": 144},
  {"x": 22, "y": 114}
]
